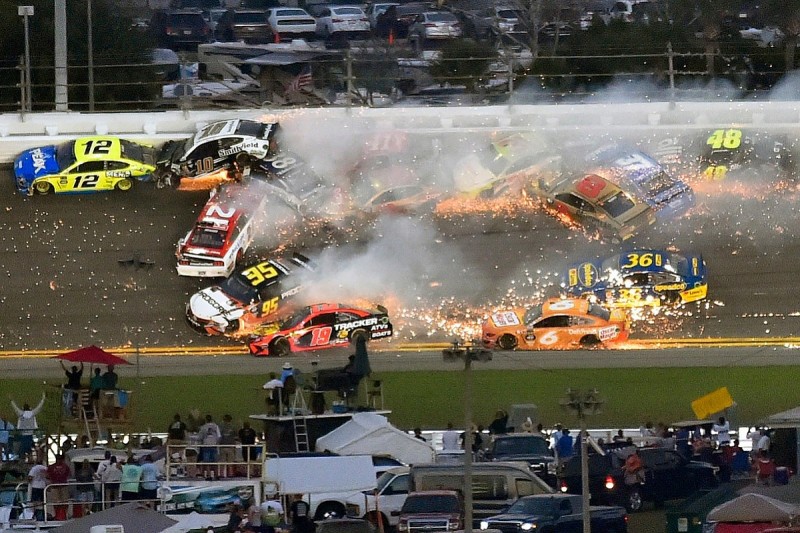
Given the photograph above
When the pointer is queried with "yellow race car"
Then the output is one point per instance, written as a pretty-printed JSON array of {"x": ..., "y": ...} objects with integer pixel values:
[{"x": 87, "y": 164}]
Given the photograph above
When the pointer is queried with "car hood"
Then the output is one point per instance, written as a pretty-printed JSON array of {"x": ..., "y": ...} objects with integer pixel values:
[
  {"x": 529, "y": 457},
  {"x": 212, "y": 303},
  {"x": 515, "y": 518},
  {"x": 36, "y": 162}
]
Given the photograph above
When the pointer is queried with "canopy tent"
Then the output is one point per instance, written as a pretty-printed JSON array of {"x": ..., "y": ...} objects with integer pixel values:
[
  {"x": 291, "y": 474},
  {"x": 131, "y": 516},
  {"x": 372, "y": 434},
  {"x": 753, "y": 507},
  {"x": 191, "y": 521},
  {"x": 785, "y": 419},
  {"x": 94, "y": 355}
]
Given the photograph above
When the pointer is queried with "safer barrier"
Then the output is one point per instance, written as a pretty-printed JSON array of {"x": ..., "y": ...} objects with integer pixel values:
[{"x": 19, "y": 132}]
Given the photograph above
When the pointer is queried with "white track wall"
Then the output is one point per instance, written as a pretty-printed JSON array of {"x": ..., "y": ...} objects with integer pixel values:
[{"x": 19, "y": 132}]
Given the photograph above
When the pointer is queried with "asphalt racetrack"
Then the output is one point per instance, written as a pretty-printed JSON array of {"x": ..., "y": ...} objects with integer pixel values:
[{"x": 100, "y": 269}]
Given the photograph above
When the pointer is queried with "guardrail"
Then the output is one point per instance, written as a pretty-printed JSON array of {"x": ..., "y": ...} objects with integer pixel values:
[{"x": 19, "y": 132}]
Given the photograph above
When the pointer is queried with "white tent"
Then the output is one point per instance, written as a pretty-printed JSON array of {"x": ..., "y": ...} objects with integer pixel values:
[
  {"x": 753, "y": 508},
  {"x": 372, "y": 434}
]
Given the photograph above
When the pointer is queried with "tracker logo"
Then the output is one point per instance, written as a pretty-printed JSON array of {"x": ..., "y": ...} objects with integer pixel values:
[
  {"x": 356, "y": 324},
  {"x": 39, "y": 160}
]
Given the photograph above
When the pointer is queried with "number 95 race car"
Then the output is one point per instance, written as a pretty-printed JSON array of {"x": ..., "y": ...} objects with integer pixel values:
[{"x": 87, "y": 164}]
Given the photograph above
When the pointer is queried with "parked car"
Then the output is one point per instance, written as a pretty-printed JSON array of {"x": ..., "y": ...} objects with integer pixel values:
[
  {"x": 342, "y": 21},
  {"x": 291, "y": 22},
  {"x": 180, "y": 28},
  {"x": 553, "y": 512},
  {"x": 406, "y": 14},
  {"x": 487, "y": 23},
  {"x": 344, "y": 525},
  {"x": 435, "y": 25},
  {"x": 247, "y": 25},
  {"x": 668, "y": 476},
  {"x": 212, "y": 17}
]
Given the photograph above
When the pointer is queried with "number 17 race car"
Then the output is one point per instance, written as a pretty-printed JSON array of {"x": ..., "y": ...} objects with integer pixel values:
[
  {"x": 321, "y": 326},
  {"x": 87, "y": 164}
]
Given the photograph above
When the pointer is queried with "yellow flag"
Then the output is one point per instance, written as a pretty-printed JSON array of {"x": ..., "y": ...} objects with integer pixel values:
[{"x": 711, "y": 403}]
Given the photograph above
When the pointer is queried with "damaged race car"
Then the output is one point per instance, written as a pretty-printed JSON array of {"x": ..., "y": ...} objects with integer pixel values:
[
  {"x": 319, "y": 327},
  {"x": 557, "y": 324},
  {"x": 250, "y": 297},
  {"x": 640, "y": 278},
  {"x": 218, "y": 153}
]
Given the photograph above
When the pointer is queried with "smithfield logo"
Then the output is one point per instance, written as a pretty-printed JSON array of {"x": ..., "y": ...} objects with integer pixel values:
[{"x": 39, "y": 160}]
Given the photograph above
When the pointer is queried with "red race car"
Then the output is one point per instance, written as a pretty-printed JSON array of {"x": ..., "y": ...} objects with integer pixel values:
[{"x": 321, "y": 326}]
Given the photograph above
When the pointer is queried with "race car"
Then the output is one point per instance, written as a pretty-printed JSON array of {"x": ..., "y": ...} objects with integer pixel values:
[
  {"x": 557, "y": 324},
  {"x": 223, "y": 232},
  {"x": 729, "y": 152},
  {"x": 321, "y": 326},
  {"x": 640, "y": 278},
  {"x": 85, "y": 165},
  {"x": 217, "y": 153},
  {"x": 250, "y": 297}
]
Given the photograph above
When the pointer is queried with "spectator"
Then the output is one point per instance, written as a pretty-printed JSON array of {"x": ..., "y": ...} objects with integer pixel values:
[
  {"x": 271, "y": 513},
  {"x": 253, "y": 515},
  {"x": 564, "y": 446},
  {"x": 148, "y": 487},
  {"x": 633, "y": 469},
  {"x": 763, "y": 442},
  {"x": 418, "y": 435},
  {"x": 556, "y": 435},
  {"x": 26, "y": 425},
  {"x": 450, "y": 438},
  {"x": 227, "y": 450},
  {"x": 299, "y": 514},
  {"x": 130, "y": 479},
  {"x": 247, "y": 436},
  {"x": 274, "y": 388},
  {"x": 57, "y": 490},
  {"x": 176, "y": 433},
  {"x": 110, "y": 379},
  {"x": 209, "y": 435},
  {"x": 95, "y": 386},
  {"x": 235, "y": 518},
  {"x": 71, "y": 388},
  {"x": 723, "y": 429},
  {"x": 499, "y": 426},
  {"x": 84, "y": 476},
  {"x": 765, "y": 467},
  {"x": 37, "y": 479},
  {"x": 6, "y": 428},
  {"x": 287, "y": 371},
  {"x": 682, "y": 444},
  {"x": 110, "y": 479}
]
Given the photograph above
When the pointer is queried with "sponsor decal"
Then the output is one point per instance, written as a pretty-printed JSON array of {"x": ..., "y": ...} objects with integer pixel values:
[
  {"x": 678, "y": 286},
  {"x": 119, "y": 173},
  {"x": 380, "y": 334},
  {"x": 212, "y": 302},
  {"x": 607, "y": 333},
  {"x": 291, "y": 292},
  {"x": 249, "y": 145},
  {"x": 505, "y": 319},
  {"x": 364, "y": 322},
  {"x": 39, "y": 160}
]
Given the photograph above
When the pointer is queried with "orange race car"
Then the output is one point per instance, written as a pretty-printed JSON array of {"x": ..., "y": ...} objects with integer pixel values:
[{"x": 557, "y": 324}]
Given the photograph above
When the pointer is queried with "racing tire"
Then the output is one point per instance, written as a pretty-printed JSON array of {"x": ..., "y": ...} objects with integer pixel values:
[
  {"x": 125, "y": 184},
  {"x": 280, "y": 347},
  {"x": 358, "y": 334},
  {"x": 42, "y": 187},
  {"x": 633, "y": 499},
  {"x": 329, "y": 510},
  {"x": 589, "y": 341},
  {"x": 507, "y": 341}
]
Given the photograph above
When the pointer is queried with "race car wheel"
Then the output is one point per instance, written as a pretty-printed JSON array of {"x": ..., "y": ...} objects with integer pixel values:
[
  {"x": 125, "y": 184},
  {"x": 42, "y": 187},
  {"x": 280, "y": 347},
  {"x": 358, "y": 334},
  {"x": 507, "y": 341},
  {"x": 587, "y": 341},
  {"x": 243, "y": 160}
]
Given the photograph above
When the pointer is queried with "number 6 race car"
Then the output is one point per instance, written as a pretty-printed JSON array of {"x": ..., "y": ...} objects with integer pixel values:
[
  {"x": 640, "y": 278},
  {"x": 558, "y": 324},
  {"x": 321, "y": 326},
  {"x": 88, "y": 164}
]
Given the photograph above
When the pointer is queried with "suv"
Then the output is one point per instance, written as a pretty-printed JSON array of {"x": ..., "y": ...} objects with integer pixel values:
[
  {"x": 431, "y": 511},
  {"x": 246, "y": 25},
  {"x": 668, "y": 476},
  {"x": 180, "y": 28}
]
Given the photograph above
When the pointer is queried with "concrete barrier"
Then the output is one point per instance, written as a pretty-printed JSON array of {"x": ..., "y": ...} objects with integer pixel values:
[{"x": 19, "y": 132}]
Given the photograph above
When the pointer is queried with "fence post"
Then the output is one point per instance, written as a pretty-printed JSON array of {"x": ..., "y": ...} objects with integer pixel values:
[
  {"x": 670, "y": 56},
  {"x": 23, "y": 86},
  {"x": 349, "y": 70}
]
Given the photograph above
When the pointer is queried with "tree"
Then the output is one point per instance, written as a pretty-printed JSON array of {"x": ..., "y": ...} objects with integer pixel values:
[
  {"x": 712, "y": 15},
  {"x": 463, "y": 61},
  {"x": 785, "y": 14}
]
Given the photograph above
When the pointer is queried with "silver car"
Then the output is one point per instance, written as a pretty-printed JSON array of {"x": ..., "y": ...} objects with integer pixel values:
[
  {"x": 342, "y": 20},
  {"x": 435, "y": 25},
  {"x": 291, "y": 22}
]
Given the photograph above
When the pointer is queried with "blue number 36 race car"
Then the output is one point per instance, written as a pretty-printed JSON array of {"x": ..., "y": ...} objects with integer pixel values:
[
  {"x": 87, "y": 164},
  {"x": 640, "y": 278}
]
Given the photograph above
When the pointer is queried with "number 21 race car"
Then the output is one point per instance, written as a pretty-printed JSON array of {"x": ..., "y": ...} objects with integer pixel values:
[
  {"x": 321, "y": 326},
  {"x": 87, "y": 164},
  {"x": 558, "y": 324}
]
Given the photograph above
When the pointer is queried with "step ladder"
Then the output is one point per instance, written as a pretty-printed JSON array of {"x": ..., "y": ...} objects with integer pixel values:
[
  {"x": 299, "y": 412},
  {"x": 91, "y": 420}
]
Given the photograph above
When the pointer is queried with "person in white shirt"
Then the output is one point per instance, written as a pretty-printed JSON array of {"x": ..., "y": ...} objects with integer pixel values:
[
  {"x": 450, "y": 438},
  {"x": 37, "y": 480},
  {"x": 723, "y": 429},
  {"x": 763, "y": 442}
]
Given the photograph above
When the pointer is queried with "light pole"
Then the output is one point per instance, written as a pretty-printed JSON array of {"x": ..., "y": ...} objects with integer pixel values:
[
  {"x": 468, "y": 352},
  {"x": 583, "y": 403},
  {"x": 25, "y": 12}
]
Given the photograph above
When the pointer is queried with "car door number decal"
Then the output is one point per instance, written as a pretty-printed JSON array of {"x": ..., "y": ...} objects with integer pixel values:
[
  {"x": 97, "y": 147},
  {"x": 269, "y": 306},
  {"x": 205, "y": 165},
  {"x": 729, "y": 139},
  {"x": 86, "y": 181},
  {"x": 551, "y": 337},
  {"x": 321, "y": 336}
]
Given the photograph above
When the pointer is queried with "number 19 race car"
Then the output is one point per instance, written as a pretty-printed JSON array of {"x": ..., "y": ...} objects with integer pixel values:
[
  {"x": 640, "y": 278},
  {"x": 250, "y": 297},
  {"x": 87, "y": 164},
  {"x": 558, "y": 324},
  {"x": 321, "y": 326}
]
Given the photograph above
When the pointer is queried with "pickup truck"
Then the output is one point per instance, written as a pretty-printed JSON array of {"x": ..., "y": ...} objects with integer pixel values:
[
  {"x": 431, "y": 511},
  {"x": 551, "y": 513},
  {"x": 533, "y": 449}
]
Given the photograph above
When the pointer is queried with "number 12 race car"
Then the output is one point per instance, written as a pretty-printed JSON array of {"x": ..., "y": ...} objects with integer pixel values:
[
  {"x": 558, "y": 324},
  {"x": 321, "y": 326},
  {"x": 87, "y": 164},
  {"x": 640, "y": 278}
]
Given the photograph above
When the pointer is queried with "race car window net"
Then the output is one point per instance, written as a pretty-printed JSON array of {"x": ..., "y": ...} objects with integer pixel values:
[
  {"x": 600, "y": 312},
  {"x": 65, "y": 154}
]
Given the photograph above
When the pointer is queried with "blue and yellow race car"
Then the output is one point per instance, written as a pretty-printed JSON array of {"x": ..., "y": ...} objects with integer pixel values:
[
  {"x": 640, "y": 278},
  {"x": 87, "y": 164}
]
